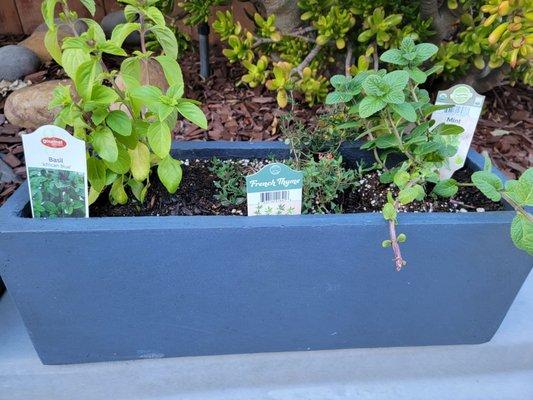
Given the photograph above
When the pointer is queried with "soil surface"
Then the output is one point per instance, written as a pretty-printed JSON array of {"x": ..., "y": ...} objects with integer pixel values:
[{"x": 196, "y": 196}]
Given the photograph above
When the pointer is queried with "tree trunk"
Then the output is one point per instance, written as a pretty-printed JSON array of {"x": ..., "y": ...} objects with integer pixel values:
[
  {"x": 444, "y": 21},
  {"x": 287, "y": 13}
]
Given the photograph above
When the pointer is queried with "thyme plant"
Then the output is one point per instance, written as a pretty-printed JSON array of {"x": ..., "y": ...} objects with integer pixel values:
[{"x": 127, "y": 125}]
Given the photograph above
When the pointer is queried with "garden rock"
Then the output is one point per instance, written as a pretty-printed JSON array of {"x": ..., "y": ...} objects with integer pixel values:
[
  {"x": 115, "y": 18},
  {"x": 36, "y": 41},
  {"x": 28, "y": 107},
  {"x": 17, "y": 62}
]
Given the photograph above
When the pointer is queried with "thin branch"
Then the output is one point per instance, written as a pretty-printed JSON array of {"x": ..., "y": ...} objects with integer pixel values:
[
  {"x": 348, "y": 61},
  {"x": 307, "y": 60},
  {"x": 398, "y": 259}
]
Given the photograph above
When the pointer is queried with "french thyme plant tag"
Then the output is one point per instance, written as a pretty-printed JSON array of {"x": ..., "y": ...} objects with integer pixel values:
[
  {"x": 57, "y": 173},
  {"x": 467, "y": 105},
  {"x": 275, "y": 190}
]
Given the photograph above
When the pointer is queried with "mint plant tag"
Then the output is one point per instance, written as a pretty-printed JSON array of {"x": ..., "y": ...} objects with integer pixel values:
[
  {"x": 274, "y": 190},
  {"x": 57, "y": 173},
  {"x": 467, "y": 105}
]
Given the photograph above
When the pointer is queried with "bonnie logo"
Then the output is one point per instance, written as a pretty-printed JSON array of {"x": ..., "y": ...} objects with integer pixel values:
[
  {"x": 53, "y": 142},
  {"x": 461, "y": 94},
  {"x": 275, "y": 169}
]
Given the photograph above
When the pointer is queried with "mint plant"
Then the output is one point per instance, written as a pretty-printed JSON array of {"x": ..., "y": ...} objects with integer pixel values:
[
  {"x": 127, "y": 125},
  {"x": 394, "y": 115},
  {"x": 518, "y": 193}
]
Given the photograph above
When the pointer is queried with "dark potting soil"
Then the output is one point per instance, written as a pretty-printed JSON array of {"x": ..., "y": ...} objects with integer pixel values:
[{"x": 196, "y": 196}]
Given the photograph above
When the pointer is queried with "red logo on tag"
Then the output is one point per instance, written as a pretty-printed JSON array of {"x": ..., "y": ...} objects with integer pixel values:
[{"x": 53, "y": 142}]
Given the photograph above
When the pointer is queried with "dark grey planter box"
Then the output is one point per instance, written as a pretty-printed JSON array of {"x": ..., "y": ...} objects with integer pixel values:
[{"x": 146, "y": 287}]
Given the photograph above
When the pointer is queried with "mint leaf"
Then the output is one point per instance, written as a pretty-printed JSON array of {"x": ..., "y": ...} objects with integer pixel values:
[
  {"x": 370, "y": 105},
  {"x": 488, "y": 183},
  {"x": 522, "y": 233}
]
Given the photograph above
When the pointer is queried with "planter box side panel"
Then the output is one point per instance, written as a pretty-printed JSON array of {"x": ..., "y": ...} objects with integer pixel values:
[{"x": 181, "y": 292}]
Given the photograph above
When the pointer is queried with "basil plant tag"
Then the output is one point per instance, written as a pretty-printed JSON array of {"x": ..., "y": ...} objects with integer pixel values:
[
  {"x": 275, "y": 190},
  {"x": 57, "y": 173},
  {"x": 467, "y": 105}
]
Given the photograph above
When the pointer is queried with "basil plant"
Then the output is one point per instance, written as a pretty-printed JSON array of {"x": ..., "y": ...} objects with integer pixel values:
[{"x": 127, "y": 125}]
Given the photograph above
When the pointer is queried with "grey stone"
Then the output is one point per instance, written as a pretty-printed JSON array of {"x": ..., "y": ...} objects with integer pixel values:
[
  {"x": 17, "y": 62},
  {"x": 115, "y": 18}
]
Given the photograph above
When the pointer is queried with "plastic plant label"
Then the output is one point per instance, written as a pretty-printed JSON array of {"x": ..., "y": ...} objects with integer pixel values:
[
  {"x": 467, "y": 105},
  {"x": 274, "y": 190},
  {"x": 57, "y": 173}
]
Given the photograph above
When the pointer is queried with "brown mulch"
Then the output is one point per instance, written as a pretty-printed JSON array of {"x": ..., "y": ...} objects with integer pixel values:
[
  {"x": 240, "y": 113},
  {"x": 505, "y": 130}
]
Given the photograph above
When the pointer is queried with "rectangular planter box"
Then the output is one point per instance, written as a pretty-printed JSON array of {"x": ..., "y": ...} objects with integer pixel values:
[{"x": 147, "y": 287}]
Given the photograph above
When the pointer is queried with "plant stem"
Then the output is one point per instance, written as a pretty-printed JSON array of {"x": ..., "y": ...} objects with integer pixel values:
[
  {"x": 391, "y": 124},
  {"x": 518, "y": 208},
  {"x": 307, "y": 60},
  {"x": 142, "y": 32},
  {"x": 375, "y": 56},
  {"x": 398, "y": 259}
]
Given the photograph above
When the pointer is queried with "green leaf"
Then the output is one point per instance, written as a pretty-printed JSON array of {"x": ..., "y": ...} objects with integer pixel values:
[
  {"x": 521, "y": 190},
  {"x": 170, "y": 173},
  {"x": 103, "y": 95},
  {"x": 408, "y": 195},
  {"x": 193, "y": 113},
  {"x": 89, "y": 5},
  {"x": 159, "y": 138},
  {"x": 138, "y": 189},
  {"x": 395, "y": 97},
  {"x": 119, "y": 122},
  {"x": 104, "y": 143},
  {"x": 123, "y": 162},
  {"x": 71, "y": 59},
  {"x": 401, "y": 178},
  {"x": 52, "y": 45},
  {"x": 446, "y": 188},
  {"x": 406, "y": 111},
  {"x": 167, "y": 40},
  {"x": 155, "y": 15},
  {"x": 99, "y": 115},
  {"x": 148, "y": 95},
  {"x": 140, "y": 161},
  {"x": 338, "y": 97},
  {"x": 96, "y": 173},
  {"x": 337, "y": 81},
  {"x": 401, "y": 238},
  {"x": 122, "y": 31},
  {"x": 85, "y": 78},
  {"x": 397, "y": 80},
  {"x": 370, "y": 105},
  {"x": 417, "y": 75},
  {"x": 387, "y": 141},
  {"x": 448, "y": 129},
  {"x": 424, "y": 51},
  {"x": 171, "y": 69},
  {"x": 48, "y": 11},
  {"x": 110, "y": 47},
  {"x": 374, "y": 85},
  {"x": 389, "y": 212},
  {"x": 130, "y": 72},
  {"x": 393, "y": 56},
  {"x": 117, "y": 193},
  {"x": 522, "y": 233},
  {"x": 488, "y": 183}
]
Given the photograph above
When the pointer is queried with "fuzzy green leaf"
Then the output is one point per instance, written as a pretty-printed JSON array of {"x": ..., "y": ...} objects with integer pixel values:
[
  {"x": 389, "y": 212},
  {"x": 489, "y": 184},
  {"x": 522, "y": 233},
  {"x": 406, "y": 111},
  {"x": 446, "y": 188},
  {"x": 370, "y": 105}
]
